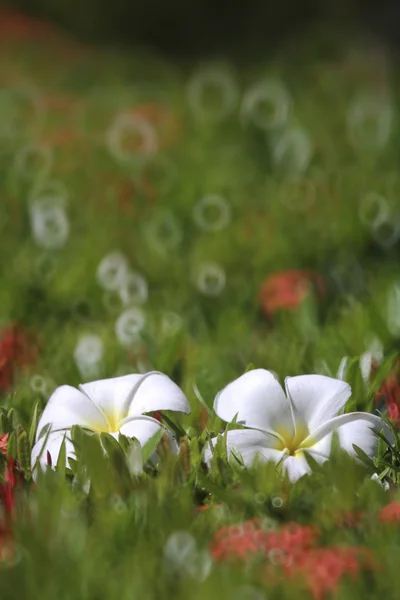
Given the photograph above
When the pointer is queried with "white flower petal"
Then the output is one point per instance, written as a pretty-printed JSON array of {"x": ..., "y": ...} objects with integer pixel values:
[
  {"x": 258, "y": 400},
  {"x": 142, "y": 428},
  {"x": 358, "y": 432},
  {"x": 316, "y": 398},
  {"x": 67, "y": 407},
  {"x": 250, "y": 443},
  {"x": 113, "y": 396},
  {"x": 352, "y": 428},
  {"x": 157, "y": 391},
  {"x": 52, "y": 445},
  {"x": 295, "y": 467}
]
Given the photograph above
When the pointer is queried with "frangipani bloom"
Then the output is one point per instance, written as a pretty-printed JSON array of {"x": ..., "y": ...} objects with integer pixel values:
[
  {"x": 284, "y": 427},
  {"x": 111, "y": 405}
]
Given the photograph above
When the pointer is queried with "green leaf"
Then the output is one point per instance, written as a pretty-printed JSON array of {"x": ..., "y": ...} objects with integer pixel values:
[
  {"x": 151, "y": 446},
  {"x": 134, "y": 459},
  {"x": 62, "y": 458},
  {"x": 201, "y": 399},
  {"x": 23, "y": 450},
  {"x": 363, "y": 456},
  {"x": 33, "y": 425}
]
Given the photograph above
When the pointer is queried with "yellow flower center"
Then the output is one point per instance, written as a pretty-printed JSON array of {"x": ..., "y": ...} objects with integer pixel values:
[
  {"x": 294, "y": 444},
  {"x": 113, "y": 423}
]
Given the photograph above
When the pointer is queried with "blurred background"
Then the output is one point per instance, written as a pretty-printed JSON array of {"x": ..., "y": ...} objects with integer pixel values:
[
  {"x": 201, "y": 28},
  {"x": 196, "y": 187}
]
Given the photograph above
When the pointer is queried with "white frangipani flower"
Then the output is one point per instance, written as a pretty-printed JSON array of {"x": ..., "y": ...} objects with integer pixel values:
[
  {"x": 283, "y": 427},
  {"x": 111, "y": 405}
]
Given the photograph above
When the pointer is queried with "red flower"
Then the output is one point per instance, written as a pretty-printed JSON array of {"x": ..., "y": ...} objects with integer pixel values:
[
  {"x": 287, "y": 290},
  {"x": 389, "y": 393},
  {"x": 16, "y": 350},
  {"x": 390, "y": 513},
  {"x": 323, "y": 568},
  {"x": 250, "y": 538},
  {"x": 4, "y": 443},
  {"x": 11, "y": 480}
]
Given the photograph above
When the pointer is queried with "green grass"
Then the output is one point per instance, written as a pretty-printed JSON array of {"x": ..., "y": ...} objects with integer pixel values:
[{"x": 113, "y": 542}]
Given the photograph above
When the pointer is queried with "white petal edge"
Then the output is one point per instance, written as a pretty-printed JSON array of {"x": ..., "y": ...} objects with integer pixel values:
[
  {"x": 366, "y": 421},
  {"x": 68, "y": 406},
  {"x": 142, "y": 428},
  {"x": 259, "y": 401},
  {"x": 295, "y": 467},
  {"x": 52, "y": 445},
  {"x": 157, "y": 391},
  {"x": 113, "y": 396},
  {"x": 316, "y": 398}
]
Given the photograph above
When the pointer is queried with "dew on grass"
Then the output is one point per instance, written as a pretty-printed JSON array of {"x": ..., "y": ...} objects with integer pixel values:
[
  {"x": 212, "y": 213},
  {"x": 266, "y": 105},
  {"x": 88, "y": 354},
  {"x": 277, "y": 556},
  {"x": 33, "y": 161},
  {"x": 277, "y": 502},
  {"x": 132, "y": 140},
  {"x": 369, "y": 121},
  {"x": 260, "y": 498},
  {"x": 180, "y": 547},
  {"x": 210, "y": 279},
  {"x": 373, "y": 209},
  {"x": 164, "y": 232},
  {"x": 134, "y": 289},
  {"x": 40, "y": 385},
  {"x": 112, "y": 271},
  {"x": 117, "y": 504},
  {"x": 171, "y": 323},
  {"x": 129, "y": 325},
  {"x": 212, "y": 94},
  {"x": 199, "y": 566},
  {"x": 49, "y": 223},
  {"x": 182, "y": 554},
  {"x": 387, "y": 232},
  {"x": 292, "y": 152}
]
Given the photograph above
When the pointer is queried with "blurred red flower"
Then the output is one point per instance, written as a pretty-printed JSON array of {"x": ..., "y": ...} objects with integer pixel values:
[
  {"x": 389, "y": 394},
  {"x": 4, "y": 443},
  {"x": 322, "y": 569},
  {"x": 250, "y": 538},
  {"x": 16, "y": 350},
  {"x": 288, "y": 289},
  {"x": 11, "y": 479},
  {"x": 390, "y": 513}
]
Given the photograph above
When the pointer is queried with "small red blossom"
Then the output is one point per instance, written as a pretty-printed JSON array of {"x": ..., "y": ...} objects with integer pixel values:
[
  {"x": 16, "y": 350},
  {"x": 390, "y": 513},
  {"x": 322, "y": 569},
  {"x": 250, "y": 538},
  {"x": 4, "y": 443},
  {"x": 389, "y": 393},
  {"x": 288, "y": 289},
  {"x": 12, "y": 478}
]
